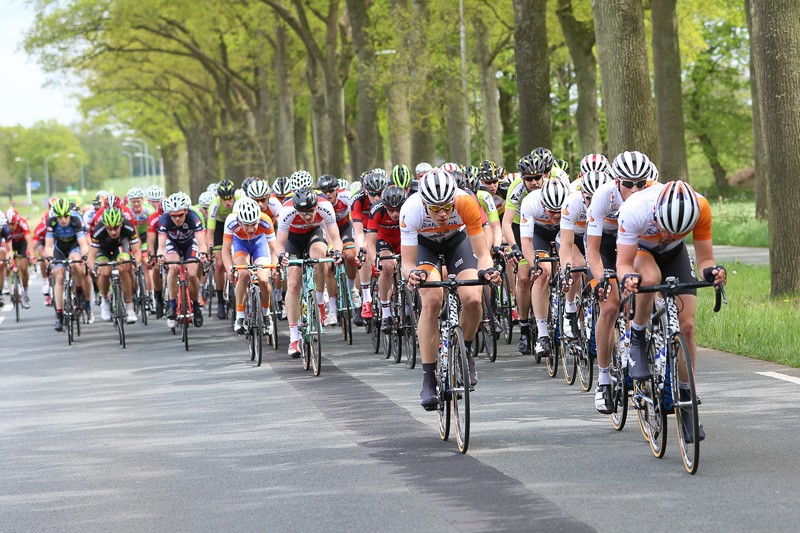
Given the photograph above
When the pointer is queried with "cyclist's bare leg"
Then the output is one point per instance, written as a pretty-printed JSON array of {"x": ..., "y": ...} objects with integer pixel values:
[
  {"x": 192, "y": 273},
  {"x": 103, "y": 279},
  {"x": 539, "y": 292},
  {"x": 126, "y": 280},
  {"x": 428, "y": 325},
  {"x": 58, "y": 275},
  {"x": 242, "y": 282},
  {"x": 22, "y": 264},
  {"x": 687, "y": 306},
  {"x": 172, "y": 276},
  {"x": 385, "y": 278},
  {"x": 523, "y": 291},
  {"x": 605, "y": 326},
  {"x": 471, "y": 300},
  {"x": 651, "y": 275},
  {"x": 219, "y": 270}
]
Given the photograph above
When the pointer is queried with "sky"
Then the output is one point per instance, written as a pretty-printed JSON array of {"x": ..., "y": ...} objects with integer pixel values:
[{"x": 23, "y": 97}]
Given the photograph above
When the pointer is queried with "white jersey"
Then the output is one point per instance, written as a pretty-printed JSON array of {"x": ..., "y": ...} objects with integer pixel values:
[
  {"x": 416, "y": 222},
  {"x": 603, "y": 211},
  {"x": 274, "y": 207},
  {"x": 291, "y": 221},
  {"x": 533, "y": 213},
  {"x": 573, "y": 214}
]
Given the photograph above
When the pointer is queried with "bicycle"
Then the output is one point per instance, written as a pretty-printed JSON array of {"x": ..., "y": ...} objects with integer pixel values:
[
  {"x": 578, "y": 353},
  {"x": 394, "y": 342},
  {"x": 669, "y": 359},
  {"x": 255, "y": 326},
  {"x": 310, "y": 325},
  {"x": 503, "y": 300},
  {"x": 344, "y": 304},
  {"x": 555, "y": 310},
  {"x": 452, "y": 370},
  {"x": 374, "y": 323},
  {"x": 208, "y": 289},
  {"x": 185, "y": 311},
  {"x": 15, "y": 284},
  {"x": 487, "y": 334},
  {"x": 141, "y": 300},
  {"x": 72, "y": 311},
  {"x": 116, "y": 299}
]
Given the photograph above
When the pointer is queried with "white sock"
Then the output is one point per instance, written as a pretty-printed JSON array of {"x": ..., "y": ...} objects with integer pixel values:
[
  {"x": 332, "y": 304},
  {"x": 571, "y": 307},
  {"x": 351, "y": 284},
  {"x": 365, "y": 295},
  {"x": 294, "y": 334},
  {"x": 265, "y": 312},
  {"x": 541, "y": 326},
  {"x": 320, "y": 297},
  {"x": 386, "y": 311},
  {"x": 604, "y": 376},
  {"x": 239, "y": 314},
  {"x": 129, "y": 307}
]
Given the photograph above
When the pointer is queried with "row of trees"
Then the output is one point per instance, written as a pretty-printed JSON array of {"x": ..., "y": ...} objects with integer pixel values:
[{"x": 268, "y": 86}]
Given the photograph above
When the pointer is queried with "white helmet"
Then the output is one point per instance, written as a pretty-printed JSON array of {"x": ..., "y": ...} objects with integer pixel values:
[
  {"x": 631, "y": 166},
  {"x": 248, "y": 211},
  {"x": 592, "y": 180},
  {"x": 258, "y": 189},
  {"x": 178, "y": 202},
  {"x": 154, "y": 193},
  {"x": 677, "y": 208},
  {"x": 653, "y": 171},
  {"x": 594, "y": 163},
  {"x": 422, "y": 169},
  {"x": 167, "y": 205},
  {"x": 437, "y": 187},
  {"x": 205, "y": 199},
  {"x": 450, "y": 167},
  {"x": 135, "y": 192},
  {"x": 301, "y": 179},
  {"x": 212, "y": 188},
  {"x": 342, "y": 183},
  {"x": 554, "y": 194}
]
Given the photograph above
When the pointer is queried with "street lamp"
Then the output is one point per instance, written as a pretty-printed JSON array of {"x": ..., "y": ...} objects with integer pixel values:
[
  {"x": 130, "y": 161},
  {"x": 47, "y": 174},
  {"x": 142, "y": 145},
  {"x": 19, "y": 159},
  {"x": 149, "y": 158}
]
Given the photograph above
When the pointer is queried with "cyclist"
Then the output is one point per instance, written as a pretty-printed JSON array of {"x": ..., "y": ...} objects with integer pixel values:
[
  {"x": 632, "y": 171},
  {"x": 249, "y": 238},
  {"x": 142, "y": 212},
  {"x": 154, "y": 196},
  {"x": 494, "y": 232},
  {"x": 22, "y": 244},
  {"x": 401, "y": 176},
  {"x": 280, "y": 190},
  {"x": 541, "y": 217},
  {"x": 111, "y": 200},
  {"x": 534, "y": 170},
  {"x": 66, "y": 239},
  {"x": 5, "y": 238},
  {"x": 373, "y": 185},
  {"x": 421, "y": 169},
  {"x": 595, "y": 163},
  {"x": 571, "y": 242},
  {"x": 441, "y": 220},
  {"x": 218, "y": 212},
  {"x": 115, "y": 239},
  {"x": 342, "y": 202},
  {"x": 91, "y": 211},
  {"x": 181, "y": 235},
  {"x": 383, "y": 238},
  {"x": 203, "y": 202},
  {"x": 302, "y": 225},
  {"x": 651, "y": 246}
]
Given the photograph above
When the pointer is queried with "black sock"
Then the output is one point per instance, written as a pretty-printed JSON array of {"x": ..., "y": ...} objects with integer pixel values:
[
  {"x": 524, "y": 327},
  {"x": 219, "y": 295},
  {"x": 196, "y": 306},
  {"x": 428, "y": 369},
  {"x": 468, "y": 345},
  {"x": 159, "y": 296}
]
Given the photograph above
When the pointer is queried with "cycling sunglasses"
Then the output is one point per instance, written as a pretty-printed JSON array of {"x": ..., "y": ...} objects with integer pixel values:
[
  {"x": 490, "y": 181},
  {"x": 445, "y": 207},
  {"x": 532, "y": 178},
  {"x": 629, "y": 184}
]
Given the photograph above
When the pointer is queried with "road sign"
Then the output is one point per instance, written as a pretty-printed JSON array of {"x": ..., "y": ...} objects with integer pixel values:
[{"x": 35, "y": 185}]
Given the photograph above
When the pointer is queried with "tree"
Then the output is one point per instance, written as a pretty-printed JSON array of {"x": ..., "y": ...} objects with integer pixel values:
[
  {"x": 622, "y": 54},
  {"x": 759, "y": 149},
  {"x": 667, "y": 84},
  {"x": 533, "y": 74},
  {"x": 776, "y": 28},
  {"x": 579, "y": 36},
  {"x": 367, "y": 154}
]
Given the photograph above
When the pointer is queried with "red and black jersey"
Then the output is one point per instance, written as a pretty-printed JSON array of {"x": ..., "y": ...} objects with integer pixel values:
[
  {"x": 361, "y": 207},
  {"x": 381, "y": 223}
]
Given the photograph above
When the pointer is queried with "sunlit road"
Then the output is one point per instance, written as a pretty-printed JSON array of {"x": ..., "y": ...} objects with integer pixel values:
[{"x": 155, "y": 438}]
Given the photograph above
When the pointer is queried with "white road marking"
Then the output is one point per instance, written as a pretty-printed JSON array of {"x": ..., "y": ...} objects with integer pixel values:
[
  {"x": 2, "y": 319},
  {"x": 6, "y": 308},
  {"x": 778, "y": 375}
]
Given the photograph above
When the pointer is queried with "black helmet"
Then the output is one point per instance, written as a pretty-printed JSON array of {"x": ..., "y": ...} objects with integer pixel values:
[
  {"x": 393, "y": 196},
  {"x": 226, "y": 189},
  {"x": 527, "y": 164},
  {"x": 305, "y": 199},
  {"x": 488, "y": 170},
  {"x": 327, "y": 183},
  {"x": 547, "y": 158}
]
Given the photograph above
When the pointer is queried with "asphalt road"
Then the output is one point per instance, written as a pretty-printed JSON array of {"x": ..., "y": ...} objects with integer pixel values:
[{"x": 93, "y": 437}]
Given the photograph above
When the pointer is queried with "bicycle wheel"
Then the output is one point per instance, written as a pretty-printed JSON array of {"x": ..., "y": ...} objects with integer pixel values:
[
  {"x": 554, "y": 314},
  {"x": 119, "y": 310},
  {"x": 184, "y": 314},
  {"x": 443, "y": 392},
  {"x": 652, "y": 418},
  {"x": 409, "y": 329},
  {"x": 258, "y": 325},
  {"x": 249, "y": 318},
  {"x": 375, "y": 332},
  {"x": 315, "y": 343},
  {"x": 303, "y": 326},
  {"x": 67, "y": 310},
  {"x": 208, "y": 291},
  {"x": 345, "y": 311},
  {"x": 459, "y": 379},
  {"x": 486, "y": 331},
  {"x": 273, "y": 312},
  {"x": 504, "y": 309},
  {"x": 230, "y": 303},
  {"x": 686, "y": 416},
  {"x": 142, "y": 295},
  {"x": 16, "y": 294},
  {"x": 619, "y": 380}
]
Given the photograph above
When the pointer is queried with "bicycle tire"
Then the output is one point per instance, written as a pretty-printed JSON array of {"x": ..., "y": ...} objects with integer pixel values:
[
  {"x": 486, "y": 331},
  {"x": 316, "y": 340},
  {"x": 273, "y": 311},
  {"x": 584, "y": 357},
  {"x": 375, "y": 334},
  {"x": 655, "y": 419},
  {"x": 140, "y": 281},
  {"x": 258, "y": 325},
  {"x": 443, "y": 409},
  {"x": 345, "y": 309},
  {"x": 185, "y": 311},
  {"x": 506, "y": 306},
  {"x": 119, "y": 310},
  {"x": 619, "y": 380},
  {"x": 230, "y": 303},
  {"x": 66, "y": 311},
  {"x": 555, "y": 311},
  {"x": 409, "y": 330},
  {"x": 208, "y": 291},
  {"x": 459, "y": 379},
  {"x": 307, "y": 304},
  {"x": 690, "y": 451},
  {"x": 16, "y": 295},
  {"x": 249, "y": 318}
]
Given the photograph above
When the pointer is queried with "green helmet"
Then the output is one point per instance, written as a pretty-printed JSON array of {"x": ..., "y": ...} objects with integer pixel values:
[
  {"x": 562, "y": 164},
  {"x": 401, "y": 176},
  {"x": 112, "y": 217},
  {"x": 61, "y": 208}
]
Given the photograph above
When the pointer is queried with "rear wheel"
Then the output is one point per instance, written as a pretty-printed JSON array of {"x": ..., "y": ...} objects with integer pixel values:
[
  {"x": 16, "y": 294},
  {"x": 409, "y": 329},
  {"x": 345, "y": 308},
  {"x": 444, "y": 394},
  {"x": 397, "y": 327},
  {"x": 258, "y": 324},
  {"x": 273, "y": 311},
  {"x": 459, "y": 381},
  {"x": 685, "y": 402},
  {"x": 504, "y": 309},
  {"x": 140, "y": 281},
  {"x": 652, "y": 418},
  {"x": 554, "y": 314},
  {"x": 185, "y": 313}
]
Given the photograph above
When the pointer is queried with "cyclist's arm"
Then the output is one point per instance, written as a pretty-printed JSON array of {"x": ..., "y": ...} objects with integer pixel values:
[
  {"x": 593, "y": 258},
  {"x": 481, "y": 251},
  {"x": 372, "y": 243},
  {"x": 92, "y": 259},
  {"x": 704, "y": 251},
  {"x": 508, "y": 219},
  {"x": 527, "y": 248},
  {"x": 626, "y": 255},
  {"x": 162, "y": 244},
  {"x": 83, "y": 242},
  {"x": 136, "y": 251},
  {"x": 201, "y": 241},
  {"x": 280, "y": 242},
  {"x": 332, "y": 229},
  {"x": 227, "y": 261},
  {"x": 408, "y": 254},
  {"x": 567, "y": 247},
  {"x": 48, "y": 246}
]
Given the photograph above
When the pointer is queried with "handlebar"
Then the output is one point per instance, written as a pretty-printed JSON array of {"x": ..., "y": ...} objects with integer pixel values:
[{"x": 671, "y": 286}]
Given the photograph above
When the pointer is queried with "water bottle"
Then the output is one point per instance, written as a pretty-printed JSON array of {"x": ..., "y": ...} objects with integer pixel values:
[
  {"x": 661, "y": 359},
  {"x": 625, "y": 347}
]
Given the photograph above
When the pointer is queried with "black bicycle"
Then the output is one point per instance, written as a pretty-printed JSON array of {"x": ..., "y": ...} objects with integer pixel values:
[
  {"x": 72, "y": 310},
  {"x": 555, "y": 310}
]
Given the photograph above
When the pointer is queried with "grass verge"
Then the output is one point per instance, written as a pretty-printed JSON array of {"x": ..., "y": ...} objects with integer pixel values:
[
  {"x": 735, "y": 224},
  {"x": 753, "y": 323}
]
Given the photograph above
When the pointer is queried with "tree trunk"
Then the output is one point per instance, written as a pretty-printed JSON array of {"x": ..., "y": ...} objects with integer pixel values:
[
  {"x": 423, "y": 147},
  {"x": 455, "y": 102},
  {"x": 532, "y": 59},
  {"x": 334, "y": 93},
  {"x": 762, "y": 196},
  {"x": 776, "y": 26},
  {"x": 667, "y": 83},
  {"x": 301, "y": 154},
  {"x": 579, "y": 37},
  {"x": 397, "y": 93},
  {"x": 367, "y": 107},
  {"x": 509, "y": 154},
  {"x": 622, "y": 54},
  {"x": 285, "y": 154},
  {"x": 320, "y": 120},
  {"x": 492, "y": 145}
]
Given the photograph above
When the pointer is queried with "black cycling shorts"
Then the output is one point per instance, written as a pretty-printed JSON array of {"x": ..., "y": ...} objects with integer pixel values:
[
  {"x": 677, "y": 263},
  {"x": 298, "y": 244},
  {"x": 457, "y": 253}
]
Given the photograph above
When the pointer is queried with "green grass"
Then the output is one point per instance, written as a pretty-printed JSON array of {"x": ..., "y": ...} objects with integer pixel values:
[
  {"x": 735, "y": 224},
  {"x": 753, "y": 323}
]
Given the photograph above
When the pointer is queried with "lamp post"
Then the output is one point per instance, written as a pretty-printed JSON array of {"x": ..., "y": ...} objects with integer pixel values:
[
  {"x": 130, "y": 161},
  {"x": 149, "y": 158},
  {"x": 160, "y": 165},
  {"x": 27, "y": 177},
  {"x": 142, "y": 145},
  {"x": 47, "y": 174}
]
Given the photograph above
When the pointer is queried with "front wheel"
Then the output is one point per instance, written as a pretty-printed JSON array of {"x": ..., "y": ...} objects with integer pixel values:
[
  {"x": 685, "y": 402},
  {"x": 315, "y": 344},
  {"x": 619, "y": 382},
  {"x": 409, "y": 329},
  {"x": 459, "y": 381},
  {"x": 185, "y": 311},
  {"x": 16, "y": 295}
]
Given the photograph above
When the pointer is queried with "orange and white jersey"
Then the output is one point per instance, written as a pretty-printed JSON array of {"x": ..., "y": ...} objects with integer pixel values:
[
  {"x": 234, "y": 228},
  {"x": 532, "y": 213},
  {"x": 415, "y": 221},
  {"x": 573, "y": 214},
  {"x": 637, "y": 222},
  {"x": 291, "y": 221},
  {"x": 274, "y": 206}
]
